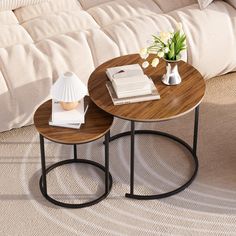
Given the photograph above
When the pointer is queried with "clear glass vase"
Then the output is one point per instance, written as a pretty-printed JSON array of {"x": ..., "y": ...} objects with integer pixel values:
[{"x": 172, "y": 76}]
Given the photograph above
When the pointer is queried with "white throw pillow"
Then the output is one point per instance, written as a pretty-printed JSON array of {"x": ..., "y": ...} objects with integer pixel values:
[
  {"x": 13, "y": 4},
  {"x": 204, "y": 3}
]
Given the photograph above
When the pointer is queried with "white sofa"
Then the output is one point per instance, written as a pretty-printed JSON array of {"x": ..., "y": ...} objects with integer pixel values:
[{"x": 38, "y": 42}]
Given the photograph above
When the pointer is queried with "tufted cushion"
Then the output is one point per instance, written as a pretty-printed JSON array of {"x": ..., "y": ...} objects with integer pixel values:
[
  {"x": 13, "y": 4},
  {"x": 59, "y": 23},
  {"x": 28, "y": 13},
  {"x": 117, "y": 11}
]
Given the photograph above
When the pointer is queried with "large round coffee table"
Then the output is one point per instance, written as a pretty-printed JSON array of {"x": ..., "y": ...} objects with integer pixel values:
[
  {"x": 175, "y": 101},
  {"x": 97, "y": 124}
]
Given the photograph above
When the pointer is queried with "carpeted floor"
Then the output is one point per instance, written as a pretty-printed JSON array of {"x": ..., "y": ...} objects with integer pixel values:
[{"x": 207, "y": 207}]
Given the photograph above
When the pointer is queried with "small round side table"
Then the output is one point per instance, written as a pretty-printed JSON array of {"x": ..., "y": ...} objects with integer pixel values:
[
  {"x": 176, "y": 101},
  {"x": 97, "y": 125}
]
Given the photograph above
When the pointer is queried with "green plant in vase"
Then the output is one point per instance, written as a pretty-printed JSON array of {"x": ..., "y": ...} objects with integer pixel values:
[{"x": 169, "y": 46}]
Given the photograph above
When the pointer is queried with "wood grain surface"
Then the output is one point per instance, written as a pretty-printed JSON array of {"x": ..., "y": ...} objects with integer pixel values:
[
  {"x": 97, "y": 124},
  {"x": 175, "y": 100}
]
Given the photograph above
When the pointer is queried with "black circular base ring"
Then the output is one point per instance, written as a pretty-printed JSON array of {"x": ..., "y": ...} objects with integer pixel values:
[
  {"x": 68, "y": 205},
  {"x": 176, "y": 139}
]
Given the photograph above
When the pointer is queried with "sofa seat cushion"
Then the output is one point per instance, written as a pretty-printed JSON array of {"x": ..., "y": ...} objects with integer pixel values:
[
  {"x": 68, "y": 52},
  {"x": 11, "y": 32},
  {"x": 7, "y": 18},
  {"x": 27, "y": 75}
]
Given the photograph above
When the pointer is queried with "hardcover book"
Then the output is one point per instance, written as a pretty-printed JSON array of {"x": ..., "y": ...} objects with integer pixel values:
[
  {"x": 124, "y": 71},
  {"x": 71, "y": 126},
  {"x": 129, "y": 81},
  {"x": 154, "y": 95},
  {"x": 132, "y": 84}
]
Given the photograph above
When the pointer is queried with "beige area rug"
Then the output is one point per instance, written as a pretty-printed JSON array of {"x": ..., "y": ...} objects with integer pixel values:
[{"x": 207, "y": 207}]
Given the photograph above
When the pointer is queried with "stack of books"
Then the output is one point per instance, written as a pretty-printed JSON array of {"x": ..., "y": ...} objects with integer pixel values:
[
  {"x": 68, "y": 119},
  {"x": 128, "y": 84}
]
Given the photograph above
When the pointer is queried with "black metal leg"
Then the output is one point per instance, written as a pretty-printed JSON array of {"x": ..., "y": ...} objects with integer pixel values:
[
  {"x": 192, "y": 151},
  {"x": 105, "y": 169},
  {"x": 107, "y": 138},
  {"x": 75, "y": 152},
  {"x": 132, "y": 140},
  {"x": 43, "y": 164},
  {"x": 195, "y": 136}
]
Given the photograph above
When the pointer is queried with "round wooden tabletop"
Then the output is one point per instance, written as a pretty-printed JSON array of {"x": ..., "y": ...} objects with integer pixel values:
[
  {"x": 97, "y": 124},
  {"x": 175, "y": 100}
]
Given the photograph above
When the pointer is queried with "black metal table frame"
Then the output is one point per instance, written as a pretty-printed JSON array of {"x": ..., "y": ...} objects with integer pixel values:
[
  {"x": 45, "y": 171},
  {"x": 192, "y": 150}
]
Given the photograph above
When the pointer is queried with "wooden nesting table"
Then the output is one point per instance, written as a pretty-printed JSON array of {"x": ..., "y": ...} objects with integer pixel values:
[
  {"x": 97, "y": 124},
  {"x": 175, "y": 101}
]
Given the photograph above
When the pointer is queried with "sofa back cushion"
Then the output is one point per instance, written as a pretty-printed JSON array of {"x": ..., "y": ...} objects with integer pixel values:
[{"x": 13, "y": 4}]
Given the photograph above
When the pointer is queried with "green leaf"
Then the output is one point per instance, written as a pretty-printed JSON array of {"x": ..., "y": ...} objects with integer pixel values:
[
  {"x": 158, "y": 40},
  {"x": 171, "y": 53},
  {"x": 176, "y": 44}
]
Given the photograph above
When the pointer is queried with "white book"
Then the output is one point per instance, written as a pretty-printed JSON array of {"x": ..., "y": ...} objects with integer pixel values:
[
  {"x": 131, "y": 84},
  {"x": 132, "y": 93},
  {"x": 154, "y": 95},
  {"x": 60, "y": 116},
  {"x": 74, "y": 125},
  {"x": 124, "y": 71},
  {"x": 71, "y": 126}
]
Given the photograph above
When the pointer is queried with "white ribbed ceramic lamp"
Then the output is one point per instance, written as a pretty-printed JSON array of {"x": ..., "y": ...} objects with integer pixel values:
[{"x": 69, "y": 90}]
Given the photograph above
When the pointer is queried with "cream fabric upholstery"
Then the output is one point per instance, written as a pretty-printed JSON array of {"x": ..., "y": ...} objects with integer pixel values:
[
  {"x": 204, "y": 3},
  {"x": 46, "y": 8},
  {"x": 13, "y": 4},
  {"x": 91, "y": 3},
  {"x": 38, "y": 42},
  {"x": 120, "y": 10},
  {"x": 170, "y": 5},
  {"x": 60, "y": 23},
  {"x": 7, "y": 18}
]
